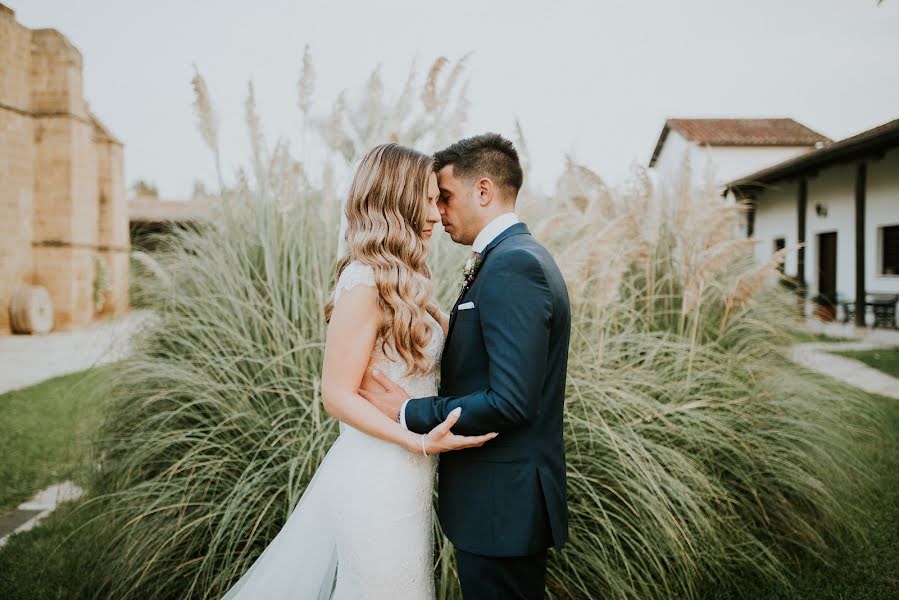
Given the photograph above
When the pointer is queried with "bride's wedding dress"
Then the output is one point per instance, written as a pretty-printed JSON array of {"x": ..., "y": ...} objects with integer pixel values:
[{"x": 363, "y": 527}]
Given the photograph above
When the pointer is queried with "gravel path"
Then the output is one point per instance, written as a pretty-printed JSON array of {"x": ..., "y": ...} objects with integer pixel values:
[
  {"x": 29, "y": 359},
  {"x": 817, "y": 356}
]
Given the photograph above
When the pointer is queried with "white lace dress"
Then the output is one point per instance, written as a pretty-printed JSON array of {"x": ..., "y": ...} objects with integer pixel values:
[
  {"x": 382, "y": 493},
  {"x": 366, "y": 513}
]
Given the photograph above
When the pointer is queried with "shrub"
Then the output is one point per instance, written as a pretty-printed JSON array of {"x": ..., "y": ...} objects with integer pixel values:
[{"x": 696, "y": 451}]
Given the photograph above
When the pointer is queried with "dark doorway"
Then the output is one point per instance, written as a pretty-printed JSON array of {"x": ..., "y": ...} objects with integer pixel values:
[
  {"x": 779, "y": 244},
  {"x": 827, "y": 265}
]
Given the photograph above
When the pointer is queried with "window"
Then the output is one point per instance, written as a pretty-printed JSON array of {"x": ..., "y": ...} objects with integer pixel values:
[
  {"x": 889, "y": 257},
  {"x": 779, "y": 244}
]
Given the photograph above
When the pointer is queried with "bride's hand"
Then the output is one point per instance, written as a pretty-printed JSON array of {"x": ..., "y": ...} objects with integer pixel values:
[{"x": 442, "y": 439}]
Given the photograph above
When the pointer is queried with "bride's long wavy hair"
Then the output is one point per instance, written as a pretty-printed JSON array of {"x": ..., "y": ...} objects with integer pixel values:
[{"x": 386, "y": 211}]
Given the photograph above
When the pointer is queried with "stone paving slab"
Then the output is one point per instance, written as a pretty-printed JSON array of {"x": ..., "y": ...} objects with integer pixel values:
[
  {"x": 28, "y": 513},
  {"x": 29, "y": 359},
  {"x": 13, "y": 519}
]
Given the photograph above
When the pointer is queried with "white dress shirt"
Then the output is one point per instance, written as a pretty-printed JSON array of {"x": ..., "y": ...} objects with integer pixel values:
[
  {"x": 483, "y": 239},
  {"x": 492, "y": 230}
]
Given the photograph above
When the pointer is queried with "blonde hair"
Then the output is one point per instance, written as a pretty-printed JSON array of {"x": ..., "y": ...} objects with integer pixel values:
[{"x": 386, "y": 212}]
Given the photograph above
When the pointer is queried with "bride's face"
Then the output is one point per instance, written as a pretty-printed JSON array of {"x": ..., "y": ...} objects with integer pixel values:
[{"x": 433, "y": 214}]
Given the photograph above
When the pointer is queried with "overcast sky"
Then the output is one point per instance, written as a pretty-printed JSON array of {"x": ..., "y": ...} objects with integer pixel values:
[{"x": 595, "y": 79}]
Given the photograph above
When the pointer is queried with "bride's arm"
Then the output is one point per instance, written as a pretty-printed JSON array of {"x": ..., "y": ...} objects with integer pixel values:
[
  {"x": 444, "y": 323},
  {"x": 352, "y": 334}
]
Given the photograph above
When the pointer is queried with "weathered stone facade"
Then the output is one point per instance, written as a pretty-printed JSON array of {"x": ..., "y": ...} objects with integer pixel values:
[{"x": 62, "y": 183}]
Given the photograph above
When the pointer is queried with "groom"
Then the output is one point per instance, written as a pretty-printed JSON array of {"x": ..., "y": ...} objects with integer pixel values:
[{"x": 504, "y": 362}]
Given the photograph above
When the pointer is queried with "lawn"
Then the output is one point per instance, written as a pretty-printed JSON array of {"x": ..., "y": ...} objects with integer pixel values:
[
  {"x": 51, "y": 422},
  {"x": 866, "y": 569},
  {"x": 44, "y": 434},
  {"x": 43, "y": 563},
  {"x": 883, "y": 359},
  {"x": 45, "y": 430},
  {"x": 803, "y": 336}
]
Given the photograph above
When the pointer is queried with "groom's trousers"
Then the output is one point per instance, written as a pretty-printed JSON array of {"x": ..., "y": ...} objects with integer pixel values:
[{"x": 501, "y": 577}]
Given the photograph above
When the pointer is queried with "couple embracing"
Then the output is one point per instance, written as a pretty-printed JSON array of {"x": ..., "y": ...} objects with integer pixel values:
[{"x": 363, "y": 528}]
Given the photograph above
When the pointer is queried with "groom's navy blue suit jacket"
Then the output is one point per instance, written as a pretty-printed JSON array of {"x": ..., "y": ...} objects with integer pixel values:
[{"x": 504, "y": 362}]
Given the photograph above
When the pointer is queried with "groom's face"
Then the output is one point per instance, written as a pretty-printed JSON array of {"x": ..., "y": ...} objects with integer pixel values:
[{"x": 459, "y": 207}]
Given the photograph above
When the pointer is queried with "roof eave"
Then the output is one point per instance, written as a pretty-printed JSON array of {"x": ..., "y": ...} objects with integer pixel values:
[
  {"x": 658, "y": 149},
  {"x": 863, "y": 145}
]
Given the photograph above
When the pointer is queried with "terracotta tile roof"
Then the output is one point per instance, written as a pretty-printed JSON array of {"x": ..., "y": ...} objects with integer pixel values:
[{"x": 740, "y": 132}]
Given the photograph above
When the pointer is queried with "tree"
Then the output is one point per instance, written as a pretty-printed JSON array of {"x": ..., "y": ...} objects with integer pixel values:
[{"x": 142, "y": 187}]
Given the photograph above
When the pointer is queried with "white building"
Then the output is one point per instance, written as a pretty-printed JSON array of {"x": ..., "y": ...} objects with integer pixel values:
[
  {"x": 842, "y": 201},
  {"x": 729, "y": 147}
]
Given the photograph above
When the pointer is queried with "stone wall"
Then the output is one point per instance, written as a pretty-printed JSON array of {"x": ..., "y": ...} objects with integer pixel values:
[
  {"x": 62, "y": 190},
  {"x": 16, "y": 159}
]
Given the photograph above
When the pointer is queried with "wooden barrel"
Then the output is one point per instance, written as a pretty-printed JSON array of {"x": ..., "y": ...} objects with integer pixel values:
[{"x": 31, "y": 310}]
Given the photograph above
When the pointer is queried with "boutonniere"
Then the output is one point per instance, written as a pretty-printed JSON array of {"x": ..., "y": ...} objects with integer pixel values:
[{"x": 471, "y": 268}]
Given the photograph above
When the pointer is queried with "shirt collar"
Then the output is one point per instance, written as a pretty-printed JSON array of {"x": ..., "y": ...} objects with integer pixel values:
[{"x": 493, "y": 229}]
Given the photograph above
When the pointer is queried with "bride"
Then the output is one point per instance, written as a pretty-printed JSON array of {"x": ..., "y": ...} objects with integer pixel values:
[{"x": 363, "y": 527}]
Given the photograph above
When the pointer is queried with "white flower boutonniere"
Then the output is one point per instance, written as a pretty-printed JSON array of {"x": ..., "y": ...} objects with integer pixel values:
[{"x": 471, "y": 268}]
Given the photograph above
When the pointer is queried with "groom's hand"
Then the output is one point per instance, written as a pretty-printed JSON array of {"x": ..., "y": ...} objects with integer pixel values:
[{"x": 389, "y": 401}]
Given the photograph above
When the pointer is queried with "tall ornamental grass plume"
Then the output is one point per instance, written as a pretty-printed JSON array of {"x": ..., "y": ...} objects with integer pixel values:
[
  {"x": 214, "y": 425},
  {"x": 697, "y": 454}
]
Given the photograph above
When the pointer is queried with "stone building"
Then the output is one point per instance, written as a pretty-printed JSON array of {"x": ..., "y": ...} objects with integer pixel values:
[{"x": 63, "y": 212}]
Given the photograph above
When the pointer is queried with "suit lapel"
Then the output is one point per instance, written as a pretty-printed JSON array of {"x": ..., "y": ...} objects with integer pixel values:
[
  {"x": 453, "y": 312},
  {"x": 517, "y": 229}
]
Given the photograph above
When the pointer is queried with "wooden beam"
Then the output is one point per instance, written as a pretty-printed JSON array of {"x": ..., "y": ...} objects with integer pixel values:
[
  {"x": 801, "y": 202},
  {"x": 861, "y": 176},
  {"x": 750, "y": 218}
]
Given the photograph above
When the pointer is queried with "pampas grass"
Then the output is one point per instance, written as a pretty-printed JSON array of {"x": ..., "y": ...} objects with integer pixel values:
[
  {"x": 207, "y": 120},
  {"x": 306, "y": 83},
  {"x": 696, "y": 452}
]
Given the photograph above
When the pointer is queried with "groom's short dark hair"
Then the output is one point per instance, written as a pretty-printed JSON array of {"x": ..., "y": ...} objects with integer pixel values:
[{"x": 486, "y": 155}]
